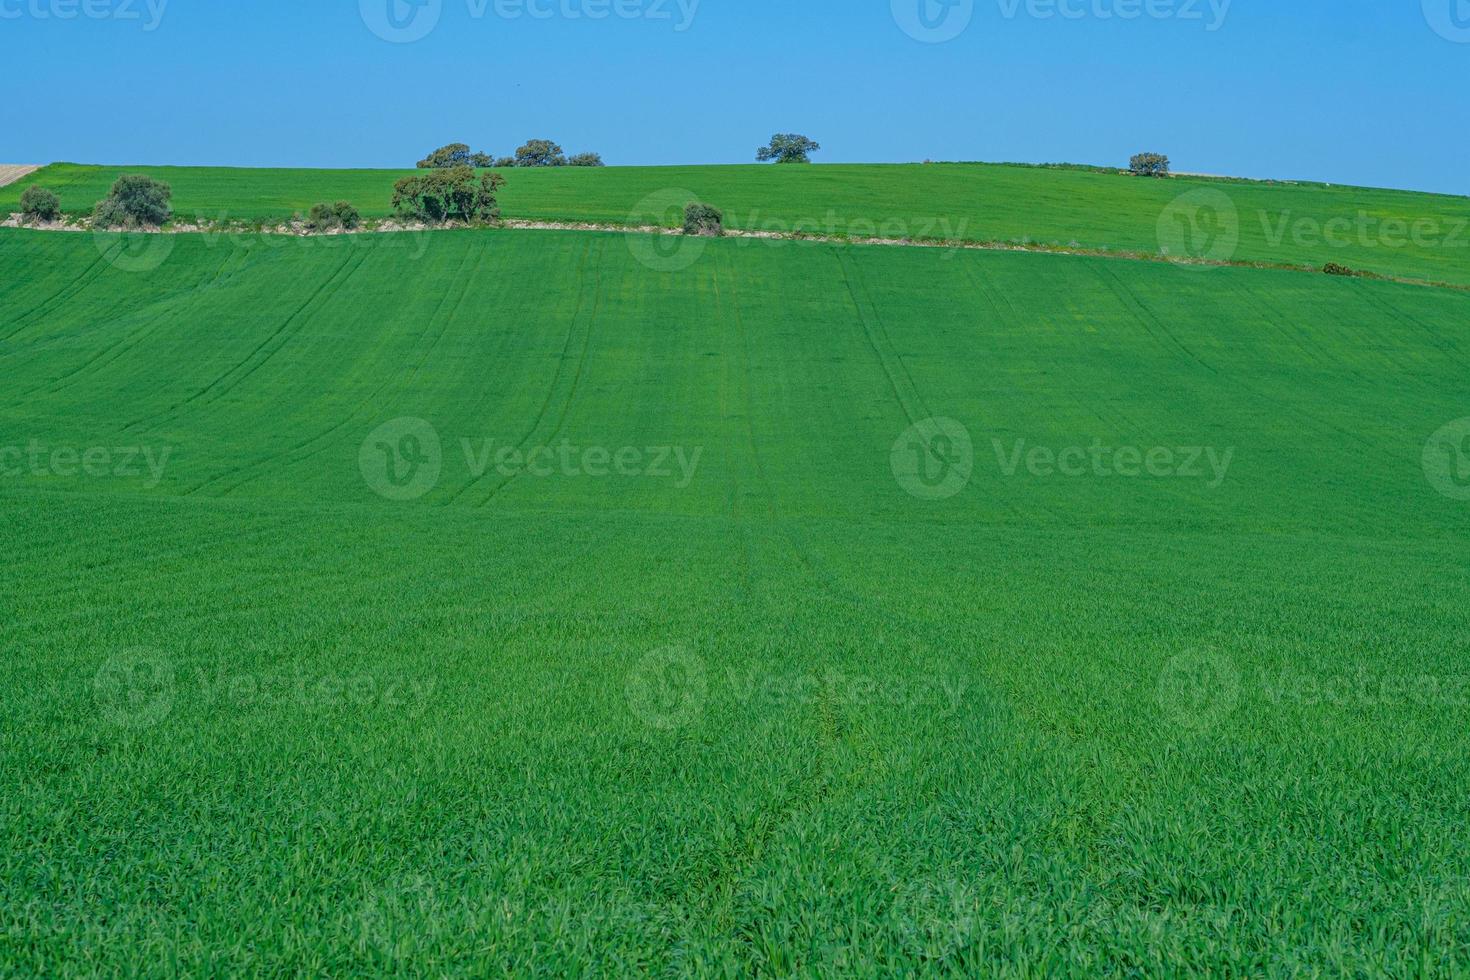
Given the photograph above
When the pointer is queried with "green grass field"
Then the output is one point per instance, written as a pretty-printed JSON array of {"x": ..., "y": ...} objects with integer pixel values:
[
  {"x": 1396, "y": 233},
  {"x": 482, "y": 601}
]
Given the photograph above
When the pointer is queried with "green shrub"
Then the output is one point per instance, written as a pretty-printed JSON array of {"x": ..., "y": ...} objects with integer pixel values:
[
  {"x": 1149, "y": 165},
  {"x": 135, "y": 199},
  {"x": 1333, "y": 269},
  {"x": 40, "y": 204},
  {"x": 586, "y": 160},
  {"x": 702, "y": 219},
  {"x": 347, "y": 215}
]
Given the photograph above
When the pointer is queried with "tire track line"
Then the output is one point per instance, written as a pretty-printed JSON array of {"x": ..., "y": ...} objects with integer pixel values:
[
  {"x": 591, "y": 322},
  {"x": 263, "y": 466},
  {"x": 171, "y": 412}
]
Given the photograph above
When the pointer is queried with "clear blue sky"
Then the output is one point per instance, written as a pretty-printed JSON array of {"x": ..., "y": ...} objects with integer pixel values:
[{"x": 1351, "y": 91}]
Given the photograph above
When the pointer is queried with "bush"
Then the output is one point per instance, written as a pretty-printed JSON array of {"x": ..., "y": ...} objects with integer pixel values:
[
  {"x": 39, "y": 204},
  {"x": 321, "y": 218},
  {"x": 788, "y": 148},
  {"x": 455, "y": 194},
  {"x": 330, "y": 217},
  {"x": 1149, "y": 165},
  {"x": 1333, "y": 269},
  {"x": 586, "y": 160},
  {"x": 505, "y": 161},
  {"x": 347, "y": 215},
  {"x": 135, "y": 199},
  {"x": 481, "y": 160},
  {"x": 702, "y": 219}
]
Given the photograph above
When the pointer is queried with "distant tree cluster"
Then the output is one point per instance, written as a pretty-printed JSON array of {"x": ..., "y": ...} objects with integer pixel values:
[
  {"x": 535, "y": 153},
  {"x": 454, "y": 155},
  {"x": 788, "y": 148},
  {"x": 1149, "y": 165},
  {"x": 449, "y": 194}
]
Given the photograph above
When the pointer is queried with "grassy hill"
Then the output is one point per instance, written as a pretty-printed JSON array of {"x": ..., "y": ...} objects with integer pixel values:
[
  {"x": 1395, "y": 233},
  {"x": 292, "y": 684}
]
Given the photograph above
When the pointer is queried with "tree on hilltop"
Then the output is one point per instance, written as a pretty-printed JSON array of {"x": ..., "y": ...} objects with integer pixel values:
[{"x": 788, "y": 148}]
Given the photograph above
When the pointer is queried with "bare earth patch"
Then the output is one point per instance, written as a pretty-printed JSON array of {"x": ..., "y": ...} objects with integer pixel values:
[{"x": 11, "y": 172}]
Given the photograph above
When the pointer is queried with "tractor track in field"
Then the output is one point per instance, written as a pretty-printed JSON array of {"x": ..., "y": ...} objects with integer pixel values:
[
  {"x": 224, "y": 384},
  {"x": 254, "y": 470},
  {"x": 901, "y": 380},
  {"x": 131, "y": 340},
  {"x": 780, "y": 527},
  {"x": 576, "y": 378},
  {"x": 83, "y": 279}
]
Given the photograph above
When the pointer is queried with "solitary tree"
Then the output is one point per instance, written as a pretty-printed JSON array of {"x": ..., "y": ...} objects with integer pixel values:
[
  {"x": 135, "y": 199},
  {"x": 788, "y": 148},
  {"x": 540, "y": 153},
  {"x": 1149, "y": 165}
]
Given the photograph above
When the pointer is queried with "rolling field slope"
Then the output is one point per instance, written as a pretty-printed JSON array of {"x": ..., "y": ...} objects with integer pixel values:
[
  {"x": 1397, "y": 233},
  {"x": 436, "y": 603}
]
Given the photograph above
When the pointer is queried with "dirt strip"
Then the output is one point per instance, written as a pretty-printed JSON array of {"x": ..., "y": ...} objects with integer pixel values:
[
  {"x": 11, "y": 172},
  {"x": 298, "y": 230}
]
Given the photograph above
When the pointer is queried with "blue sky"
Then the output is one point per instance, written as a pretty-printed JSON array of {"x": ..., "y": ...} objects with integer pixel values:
[{"x": 1349, "y": 91}]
